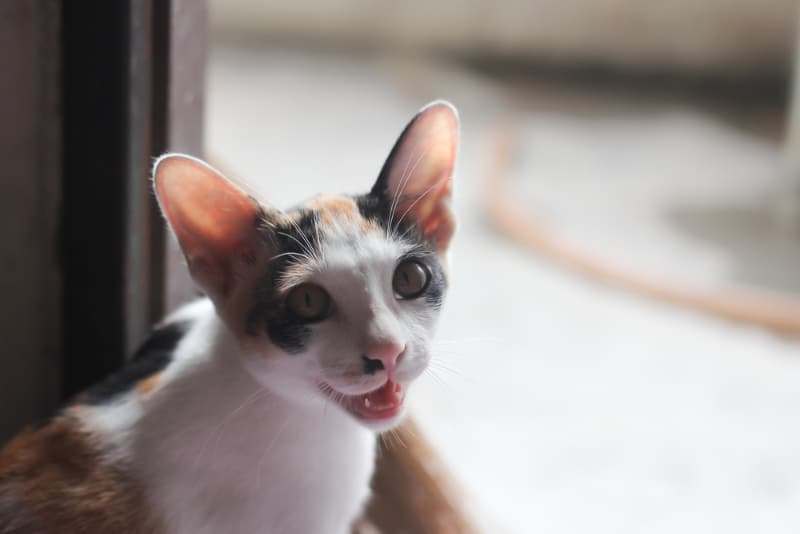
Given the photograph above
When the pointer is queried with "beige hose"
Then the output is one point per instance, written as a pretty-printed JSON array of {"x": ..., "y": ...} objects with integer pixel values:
[{"x": 775, "y": 312}]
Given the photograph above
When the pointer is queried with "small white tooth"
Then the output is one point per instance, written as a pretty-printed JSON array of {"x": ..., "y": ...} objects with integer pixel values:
[{"x": 367, "y": 403}]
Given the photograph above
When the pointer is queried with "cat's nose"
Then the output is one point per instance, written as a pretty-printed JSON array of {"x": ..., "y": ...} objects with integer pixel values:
[{"x": 383, "y": 355}]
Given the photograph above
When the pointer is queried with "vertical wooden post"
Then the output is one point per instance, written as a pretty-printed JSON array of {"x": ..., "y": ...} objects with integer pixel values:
[
  {"x": 182, "y": 78},
  {"x": 126, "y": 67},
  {"x": 30, "y": 151}
]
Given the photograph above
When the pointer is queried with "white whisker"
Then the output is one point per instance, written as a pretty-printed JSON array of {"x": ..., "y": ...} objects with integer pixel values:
[
  {"x": 405, "y": 179},
  {"x": 216, "y": 433},
  {"x": 298, "y": 254},
  {"x": 396, "y": 196},
  {"x": 309, "y": 253},
  {"x": 259, "y": 465},
  {"x": 416, "y": 201},
  {"x": 302, "y": 234}
]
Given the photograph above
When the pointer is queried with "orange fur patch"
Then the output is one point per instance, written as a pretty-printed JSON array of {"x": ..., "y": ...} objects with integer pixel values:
[
  {"x": 146, "y": 386},
  {"x": 332, "y": 208},
  {"x": 335, "y": 208},
  {"x": 55, "y": 480}
]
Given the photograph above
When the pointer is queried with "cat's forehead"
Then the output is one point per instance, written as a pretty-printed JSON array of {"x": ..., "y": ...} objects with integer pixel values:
[
  {"x": 342, "y": 225},
  {"x": 332, "y": 234},
  {"x": 338, "y": 211}
]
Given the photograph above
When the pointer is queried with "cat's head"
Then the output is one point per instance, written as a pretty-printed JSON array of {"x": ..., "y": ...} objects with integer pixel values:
[{"x": 335, "y": 300}]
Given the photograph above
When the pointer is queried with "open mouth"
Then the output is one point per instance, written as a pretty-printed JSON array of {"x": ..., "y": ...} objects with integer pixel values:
[{"x": 385, "y": 402}]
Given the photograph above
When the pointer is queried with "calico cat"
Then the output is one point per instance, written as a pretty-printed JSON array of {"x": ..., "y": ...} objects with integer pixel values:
[{"x": 255, "y": 409}]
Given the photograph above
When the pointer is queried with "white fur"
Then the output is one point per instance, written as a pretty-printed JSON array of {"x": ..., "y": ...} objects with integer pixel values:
[
  {"x": 219, "y": 453},
  {"x": 240, "y": 440}
]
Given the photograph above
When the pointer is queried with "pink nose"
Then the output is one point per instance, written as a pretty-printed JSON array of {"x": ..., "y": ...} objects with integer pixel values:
[{"x": 382, "y": 355}]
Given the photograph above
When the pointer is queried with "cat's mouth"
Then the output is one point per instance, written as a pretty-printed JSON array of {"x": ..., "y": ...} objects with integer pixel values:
[{"x": 380, "y": 404}]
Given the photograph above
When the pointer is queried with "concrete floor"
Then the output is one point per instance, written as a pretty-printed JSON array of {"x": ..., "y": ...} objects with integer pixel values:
[{"x": 560, "y": 405}]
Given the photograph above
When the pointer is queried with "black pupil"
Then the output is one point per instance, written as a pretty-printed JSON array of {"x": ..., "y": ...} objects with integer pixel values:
[
  {"x": 410, "y": 279},
  {"x": 308, "y": 301}
]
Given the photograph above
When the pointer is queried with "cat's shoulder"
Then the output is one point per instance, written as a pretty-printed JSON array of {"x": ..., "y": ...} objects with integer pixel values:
[
  {"x": 56, "y": 479},
  {"x": 142, "y": 372},
  {"x": 63, "y": 476}
]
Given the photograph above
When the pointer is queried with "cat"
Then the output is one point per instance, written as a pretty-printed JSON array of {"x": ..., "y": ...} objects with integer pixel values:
[{"x": 256, "y": 408}]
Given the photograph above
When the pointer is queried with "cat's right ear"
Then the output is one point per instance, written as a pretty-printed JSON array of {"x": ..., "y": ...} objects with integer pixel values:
[
  {"x": 216, "y": 223},
  {"x": 417, "y": 178}
]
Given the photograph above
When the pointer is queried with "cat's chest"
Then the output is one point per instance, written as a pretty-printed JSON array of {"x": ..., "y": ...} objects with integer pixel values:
[{"x": 261, "y": 470}]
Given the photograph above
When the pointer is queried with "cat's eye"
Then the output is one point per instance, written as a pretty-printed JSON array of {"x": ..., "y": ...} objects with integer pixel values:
[
  {"x": 309, "y": 302},
  {"x": 410, "y": 279}
]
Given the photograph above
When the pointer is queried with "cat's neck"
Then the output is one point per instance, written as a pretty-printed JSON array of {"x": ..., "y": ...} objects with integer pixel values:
[
  {"x": 214, "y": 430},
  {"x": 209, "y": 380},
  {"x": 207, "y": 394}
]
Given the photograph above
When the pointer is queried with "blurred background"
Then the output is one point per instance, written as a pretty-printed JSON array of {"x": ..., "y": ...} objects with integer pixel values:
[
  {"x": 649, "y": 137},
  {"x": 619, "y": 351}
]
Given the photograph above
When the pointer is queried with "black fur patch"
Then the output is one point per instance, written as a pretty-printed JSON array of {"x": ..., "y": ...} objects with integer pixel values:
[
  {"x": 288, "y": 333},
  {"x": 374, "y": 207},
  {"x": 378, "y": 208},
  {"x": 283, "y": 329},
  {"x": 381, "y": 186},
  {"x": 151, "y": 358},
  {"x": 299, "y": 237}
]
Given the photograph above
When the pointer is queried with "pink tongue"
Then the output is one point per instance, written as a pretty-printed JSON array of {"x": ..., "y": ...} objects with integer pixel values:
[{"x": 389, "y": 393}]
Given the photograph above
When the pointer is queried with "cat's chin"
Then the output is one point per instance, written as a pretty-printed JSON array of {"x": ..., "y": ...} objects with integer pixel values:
[{"x": 379, "y": 409}]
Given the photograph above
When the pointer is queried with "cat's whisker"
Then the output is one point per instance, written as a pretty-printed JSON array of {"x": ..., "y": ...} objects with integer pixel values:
[
  {"x": 316, "y": 231},
  {"x": 310, "y": 247},
  {"x": 439, "y": 364},
  {"x": 416, "y": 201},
  {"x": 436, "y": 377},
  {"x": 381, "y": 446},
  {"x": 325, "y": 404},
  {"x": 407, "y": 430},
  {"x": 293, "y": 254},
  {"x": 389, "y": 440},
  {"x": 454, "y": 375},
  {"x": 260, "y": 464},
  {"x": 396, "y": 197},
  {"x": 302, "y": 245},
  {"x": 423, "y": 253},
  {"x": 410, "y": 229},
  {"x": 405, "y": 179},
  {"x": 396, "y": 434},
  {"x": 216, "y": 433},
  {"x": 466, "y": 340},
  {"x": 453, "y": 354}
]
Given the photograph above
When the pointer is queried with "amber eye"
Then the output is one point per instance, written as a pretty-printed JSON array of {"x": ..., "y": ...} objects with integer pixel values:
[
  {"x": 410, "y": 279},
  {"x": 309, "y": 302}
]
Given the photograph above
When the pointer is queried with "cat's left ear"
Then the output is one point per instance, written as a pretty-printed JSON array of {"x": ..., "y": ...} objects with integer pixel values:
[
  {"x": 216, "y": 223},
  {"x": 417, "y": 178}
]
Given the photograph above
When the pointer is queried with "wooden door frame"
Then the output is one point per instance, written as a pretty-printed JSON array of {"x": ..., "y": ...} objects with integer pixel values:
[
  {"x": 30, "y": 138},
  {"x": 132, "y": 88}
]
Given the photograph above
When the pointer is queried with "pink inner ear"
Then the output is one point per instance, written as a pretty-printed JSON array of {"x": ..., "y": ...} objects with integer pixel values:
[
  {"x": 433, "y": 214},
  {"x": 427, "y": 151},
  {"x": 212, "y": 218},
  {"x": 422, "y": 171}
]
